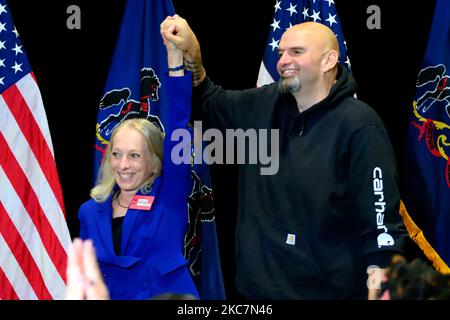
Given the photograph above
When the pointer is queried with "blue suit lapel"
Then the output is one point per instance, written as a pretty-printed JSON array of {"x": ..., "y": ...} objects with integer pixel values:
[
  {"x": 131, "y": 219},
  {"x": 104, "y": 225}
]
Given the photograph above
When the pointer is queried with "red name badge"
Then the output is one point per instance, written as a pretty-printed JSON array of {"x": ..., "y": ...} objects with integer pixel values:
[{"x": 142, "y": 202}]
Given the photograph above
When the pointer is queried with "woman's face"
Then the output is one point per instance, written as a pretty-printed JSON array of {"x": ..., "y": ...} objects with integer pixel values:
[{"x": 130, "y": 159}]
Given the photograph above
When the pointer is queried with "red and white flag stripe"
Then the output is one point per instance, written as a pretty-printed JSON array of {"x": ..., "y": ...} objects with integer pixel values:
[{"x": 34, "y": 236}]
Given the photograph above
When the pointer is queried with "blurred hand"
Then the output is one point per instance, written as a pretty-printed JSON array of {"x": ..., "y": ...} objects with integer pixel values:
[{"x": 84, "y": 279}]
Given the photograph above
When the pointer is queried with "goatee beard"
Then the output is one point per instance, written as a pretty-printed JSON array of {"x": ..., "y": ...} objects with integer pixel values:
[{"x": 289, "y": 85}]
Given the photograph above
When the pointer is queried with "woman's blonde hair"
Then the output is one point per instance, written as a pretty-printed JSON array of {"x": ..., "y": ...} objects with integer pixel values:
[{"x": 154, "y": 139}]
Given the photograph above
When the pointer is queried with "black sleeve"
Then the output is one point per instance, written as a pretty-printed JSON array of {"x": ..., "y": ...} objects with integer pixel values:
[
  {"x": 221, "y": 108},
  {"x": 373, "y": 184}
]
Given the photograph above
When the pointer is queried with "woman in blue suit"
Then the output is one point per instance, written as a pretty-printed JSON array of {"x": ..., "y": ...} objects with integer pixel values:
[{"x": 137, "y": 216}]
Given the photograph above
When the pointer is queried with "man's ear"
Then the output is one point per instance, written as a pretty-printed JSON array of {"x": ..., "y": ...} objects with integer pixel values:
[{"x": 329, "y": 60}]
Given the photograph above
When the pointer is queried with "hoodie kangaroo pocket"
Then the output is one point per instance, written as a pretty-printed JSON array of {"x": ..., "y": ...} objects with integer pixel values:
[{"x": 281, "y": 253}]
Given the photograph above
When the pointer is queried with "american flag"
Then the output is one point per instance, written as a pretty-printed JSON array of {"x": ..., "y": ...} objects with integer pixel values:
[
  {"x": 289, "y": 13},
  {"x": 34, "y": 236}
]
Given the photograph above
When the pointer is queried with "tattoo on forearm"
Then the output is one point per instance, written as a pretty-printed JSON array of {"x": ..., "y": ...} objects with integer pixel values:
[{"x": 196, "y": 68}]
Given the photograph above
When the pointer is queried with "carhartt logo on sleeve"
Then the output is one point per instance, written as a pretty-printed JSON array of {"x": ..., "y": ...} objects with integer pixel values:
[
  {"x": 290, "y": 239},
  {"x": 384, "y": 238}
]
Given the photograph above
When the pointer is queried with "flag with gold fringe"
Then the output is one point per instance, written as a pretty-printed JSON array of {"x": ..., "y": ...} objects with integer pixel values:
[{"x": 426, "y": 176}]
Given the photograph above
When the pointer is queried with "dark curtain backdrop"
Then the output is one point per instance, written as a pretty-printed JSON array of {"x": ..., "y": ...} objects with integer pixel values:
[{"x": 71, "y": 67}]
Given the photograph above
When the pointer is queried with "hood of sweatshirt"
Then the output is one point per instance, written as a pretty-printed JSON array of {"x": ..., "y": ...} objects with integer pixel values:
[{"x": 291, "y": 122}]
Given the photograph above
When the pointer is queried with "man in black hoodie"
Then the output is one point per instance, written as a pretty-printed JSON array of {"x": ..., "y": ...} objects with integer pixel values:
[{"x": 330, "y": 213}]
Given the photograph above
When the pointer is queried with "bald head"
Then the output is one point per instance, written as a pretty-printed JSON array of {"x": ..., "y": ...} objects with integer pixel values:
[{"x": 318, "y": 33}]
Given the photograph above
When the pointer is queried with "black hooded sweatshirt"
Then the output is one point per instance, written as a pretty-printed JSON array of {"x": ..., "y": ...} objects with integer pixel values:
[{"x": 331, "y": 210}]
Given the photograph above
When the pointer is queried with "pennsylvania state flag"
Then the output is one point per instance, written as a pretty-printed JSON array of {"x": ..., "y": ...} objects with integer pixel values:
[
  {"x": 291, "y": 12},
  {"x": 132, "y": 90},
  {"x": 426, "y": 178}
]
